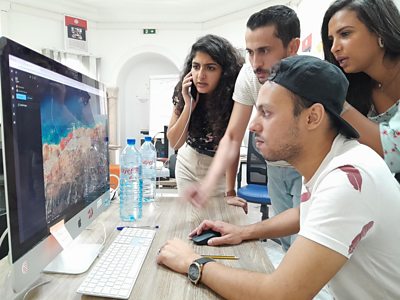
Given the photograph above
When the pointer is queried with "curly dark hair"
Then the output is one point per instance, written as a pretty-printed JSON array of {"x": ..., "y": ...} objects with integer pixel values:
[
  {"x": 219, "y": 110},
  {"x": 379, "y": 16}
]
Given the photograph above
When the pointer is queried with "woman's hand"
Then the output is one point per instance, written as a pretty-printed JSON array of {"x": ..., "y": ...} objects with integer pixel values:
[
  {"x": 187, "y": 83},
  {"x": 237, "y": 201},
  {"x": 196, "y": 194}
]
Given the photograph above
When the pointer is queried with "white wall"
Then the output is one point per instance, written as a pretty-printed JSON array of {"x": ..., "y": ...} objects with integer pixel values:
[
  {"x": 33, "y": 28},
  {"x": 233, "y": 26},
  {"x": 121, "y": 46},
  {"x": 117, "y": 46},
  {"x": 130, "y": 65},
  {"x": 128, "y": 58},
  {"x": 311, "y": 14},
  {"x": 160, "y": 106}
]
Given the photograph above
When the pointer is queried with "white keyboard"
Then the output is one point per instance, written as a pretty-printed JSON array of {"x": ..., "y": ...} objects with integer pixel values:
[{"x": 118, "y": 268}]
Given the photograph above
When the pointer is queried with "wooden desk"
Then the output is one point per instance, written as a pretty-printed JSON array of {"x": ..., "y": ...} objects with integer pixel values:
[{"x": 176, "y": 218}]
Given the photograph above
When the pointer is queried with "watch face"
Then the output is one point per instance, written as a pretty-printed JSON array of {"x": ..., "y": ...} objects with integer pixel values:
[{"x": 194, "y": 272}]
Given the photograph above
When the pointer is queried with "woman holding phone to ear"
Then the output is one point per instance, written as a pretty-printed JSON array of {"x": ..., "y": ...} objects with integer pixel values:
[
  {"x": 202, "y": 107},
  {"x": 362, "y": 37}
]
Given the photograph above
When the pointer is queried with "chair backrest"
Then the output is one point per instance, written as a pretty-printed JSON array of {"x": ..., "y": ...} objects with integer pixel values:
[
  {"x": 256, "y": 168},
  {"x": 171, "y": 165}
]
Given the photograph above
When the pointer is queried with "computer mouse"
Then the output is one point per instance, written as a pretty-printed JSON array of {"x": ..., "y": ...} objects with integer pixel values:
[{"x": 203, "y": 237}]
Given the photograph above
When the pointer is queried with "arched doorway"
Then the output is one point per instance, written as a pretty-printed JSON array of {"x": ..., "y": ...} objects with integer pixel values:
[{"x": 133, "y": 82}]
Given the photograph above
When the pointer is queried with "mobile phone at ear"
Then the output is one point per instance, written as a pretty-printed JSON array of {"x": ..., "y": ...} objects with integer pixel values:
[{"x": 193, "y": 91}]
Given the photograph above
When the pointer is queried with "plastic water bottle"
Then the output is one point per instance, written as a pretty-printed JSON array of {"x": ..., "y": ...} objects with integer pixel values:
[
  {"x": 149, "y": 158},
  {"x": 130, "y": 183}
]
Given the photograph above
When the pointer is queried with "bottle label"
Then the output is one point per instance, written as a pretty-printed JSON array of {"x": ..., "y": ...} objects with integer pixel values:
[
  {"x": 148, "y": 162},
  {"x": 129, "y": 171}
]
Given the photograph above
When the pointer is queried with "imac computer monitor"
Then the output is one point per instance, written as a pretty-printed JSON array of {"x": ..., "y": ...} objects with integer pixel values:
[{"x": 55, "y": 152}]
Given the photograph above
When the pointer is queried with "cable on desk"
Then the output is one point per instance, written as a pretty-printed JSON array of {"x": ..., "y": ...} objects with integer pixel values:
[
  {"x": 3, "y": 236},
  {"x": 35, "y": 286},
  {"x": 113, "y": 192},
  {"x": 105, "y": 234}
]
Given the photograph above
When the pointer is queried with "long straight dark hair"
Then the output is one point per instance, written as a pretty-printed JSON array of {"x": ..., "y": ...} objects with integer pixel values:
[{"x": 379, "y": 16}]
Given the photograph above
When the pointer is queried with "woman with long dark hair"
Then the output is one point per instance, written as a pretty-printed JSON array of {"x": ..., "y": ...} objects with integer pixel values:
[
  {"x": 362, "y": 37},
  {"x": 202, "y": 107}
]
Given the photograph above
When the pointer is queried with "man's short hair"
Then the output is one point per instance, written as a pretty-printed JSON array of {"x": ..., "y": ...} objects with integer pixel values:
[{"x": 284, "y": 19}]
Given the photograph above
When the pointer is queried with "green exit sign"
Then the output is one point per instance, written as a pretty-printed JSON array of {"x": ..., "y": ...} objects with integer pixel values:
[{"x": 149, "y": 31}]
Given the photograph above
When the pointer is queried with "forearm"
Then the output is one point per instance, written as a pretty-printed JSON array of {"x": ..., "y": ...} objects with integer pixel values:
[
  {"x": 230, "y": 283},
  {"x": 284, "y": 224},
  {"x": 368, "y": 130},
  {"x": 231, "y": 174},
  {"x": 229, "y": 146},
  {"x": 177, "y": 132},
  {"x": 226, "y": 155}
]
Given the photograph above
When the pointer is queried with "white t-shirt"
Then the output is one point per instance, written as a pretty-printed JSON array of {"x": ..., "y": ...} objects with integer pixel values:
[
  {"x": 246, "y": 91},
  {"x": 352, "y": 206},
  {"x": 246, "y": 86}
]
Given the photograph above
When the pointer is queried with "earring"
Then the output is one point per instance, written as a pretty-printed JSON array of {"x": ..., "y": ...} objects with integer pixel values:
[{"x": 380, "y": 42}]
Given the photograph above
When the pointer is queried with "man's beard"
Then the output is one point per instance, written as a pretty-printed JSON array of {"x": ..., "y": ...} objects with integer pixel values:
[{"x": 286, "y": 151}]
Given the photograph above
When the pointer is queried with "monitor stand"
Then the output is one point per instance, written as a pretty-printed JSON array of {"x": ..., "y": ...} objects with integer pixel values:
[{"x": 75, "y": 259}]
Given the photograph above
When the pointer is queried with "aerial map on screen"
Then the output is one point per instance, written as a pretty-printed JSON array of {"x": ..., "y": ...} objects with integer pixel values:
[{"x": 72, "y": 128}]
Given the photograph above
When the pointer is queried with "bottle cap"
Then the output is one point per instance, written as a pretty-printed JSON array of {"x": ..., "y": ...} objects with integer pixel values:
[
  {"x": 131, "y": 141},
  {"x": 147, "y": 138}
]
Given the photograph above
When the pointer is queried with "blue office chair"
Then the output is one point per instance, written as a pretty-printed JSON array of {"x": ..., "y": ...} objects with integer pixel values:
[{"x": 256, "y": 190}]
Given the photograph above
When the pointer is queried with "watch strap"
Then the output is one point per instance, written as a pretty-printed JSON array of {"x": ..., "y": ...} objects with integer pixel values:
[{"x": 203, "y": 260}]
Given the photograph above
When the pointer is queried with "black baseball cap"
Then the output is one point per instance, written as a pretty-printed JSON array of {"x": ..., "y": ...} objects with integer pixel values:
[{"x": 317, "y": 81}]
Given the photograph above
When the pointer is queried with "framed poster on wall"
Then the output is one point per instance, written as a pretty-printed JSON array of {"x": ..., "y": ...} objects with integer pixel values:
[{"x": 76, "y": 34}]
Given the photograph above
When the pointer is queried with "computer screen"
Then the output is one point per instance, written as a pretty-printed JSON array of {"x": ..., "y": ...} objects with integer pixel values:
[{"x": 55, "y": 153}]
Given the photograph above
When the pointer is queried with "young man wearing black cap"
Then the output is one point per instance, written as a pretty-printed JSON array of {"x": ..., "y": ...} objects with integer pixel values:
[{"x": 346, "y": 221}]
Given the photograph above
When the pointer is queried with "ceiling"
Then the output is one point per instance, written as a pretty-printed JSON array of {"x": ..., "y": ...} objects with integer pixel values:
[{"x": 150, "y": 11}]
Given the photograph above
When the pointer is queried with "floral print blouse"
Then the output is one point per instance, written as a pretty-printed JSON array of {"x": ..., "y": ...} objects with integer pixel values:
[
  {"x": 389, "y": 126},
  {"x": 204, "y": 141}
]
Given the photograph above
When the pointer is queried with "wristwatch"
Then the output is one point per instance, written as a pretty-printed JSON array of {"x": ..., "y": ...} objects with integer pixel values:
[{"x": 196, "y": 268}]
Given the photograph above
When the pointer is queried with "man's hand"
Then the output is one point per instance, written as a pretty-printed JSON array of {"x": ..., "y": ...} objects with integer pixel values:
[
  {"x": 176, "y": 255},
  {"x": 237, "y": 201},
  {"x": 230, "y": 234},
  {"x": 196, "y": 194}
]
